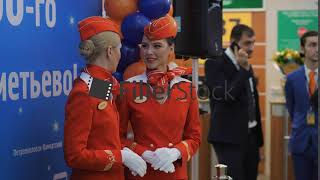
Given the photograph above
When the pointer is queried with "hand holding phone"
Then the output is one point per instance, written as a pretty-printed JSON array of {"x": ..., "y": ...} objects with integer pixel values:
[
  {"x": 234, "y": 46},
  {"x": 241, "y": 55}
]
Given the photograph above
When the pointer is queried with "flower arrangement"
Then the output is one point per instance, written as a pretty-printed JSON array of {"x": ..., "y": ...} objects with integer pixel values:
[{"x": 287, "y": 60}]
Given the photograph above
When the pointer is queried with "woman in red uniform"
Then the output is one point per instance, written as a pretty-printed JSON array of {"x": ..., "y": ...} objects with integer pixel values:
[
  {"x": 92, "y": 146},
  {"x": 162, "y": 108}
]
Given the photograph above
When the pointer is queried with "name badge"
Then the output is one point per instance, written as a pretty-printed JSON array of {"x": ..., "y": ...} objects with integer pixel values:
[{"x": 311, "y": 119}]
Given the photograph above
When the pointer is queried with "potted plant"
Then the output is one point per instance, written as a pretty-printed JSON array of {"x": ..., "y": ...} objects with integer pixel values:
[{"x": 287, "y": 60}]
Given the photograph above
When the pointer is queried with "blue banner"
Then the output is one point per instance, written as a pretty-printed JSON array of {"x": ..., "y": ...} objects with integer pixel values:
[{"x": 39, "y": 60}]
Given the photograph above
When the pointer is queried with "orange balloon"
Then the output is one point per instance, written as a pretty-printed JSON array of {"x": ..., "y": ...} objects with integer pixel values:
[
  {"x": 171, "y": 10},
  {"x": 134, "y": 69},
  {"x": 116, "y": 21},
  {"x": 119, "y": 9}
]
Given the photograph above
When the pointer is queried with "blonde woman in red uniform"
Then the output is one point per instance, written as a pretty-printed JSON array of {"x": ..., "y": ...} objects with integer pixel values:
[
  {"x": 162, "y": 108},
  {"x": 92, "y": 146}
]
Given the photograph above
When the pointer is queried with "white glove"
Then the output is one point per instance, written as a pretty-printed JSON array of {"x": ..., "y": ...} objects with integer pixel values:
[
  {"x": 164, "y": 158},
  {"x": 168, "y": 169},
  {"x": 133, "y": 173},
  {"x": 148, "y": 156},
  {"x": 134, "y": 162}
]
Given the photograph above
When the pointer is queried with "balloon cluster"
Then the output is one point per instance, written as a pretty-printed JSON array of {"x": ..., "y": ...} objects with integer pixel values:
[{"x": 132, "y": 16}]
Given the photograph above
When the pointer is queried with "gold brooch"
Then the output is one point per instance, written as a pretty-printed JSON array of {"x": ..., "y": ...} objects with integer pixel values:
[
  {"x": 140, "y": 99},
  {"x": 102, "y": 105}
]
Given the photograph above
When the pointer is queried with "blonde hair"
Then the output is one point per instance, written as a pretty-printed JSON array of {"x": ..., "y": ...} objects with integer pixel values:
[{"x": 90, "y": 49}]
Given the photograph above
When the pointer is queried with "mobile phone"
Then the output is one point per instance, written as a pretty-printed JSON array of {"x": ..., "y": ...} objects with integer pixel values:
[{"x": 233, "y": 45}]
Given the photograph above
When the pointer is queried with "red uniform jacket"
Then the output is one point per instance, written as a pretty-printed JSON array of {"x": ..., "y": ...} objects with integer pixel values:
[
  {"x": 173, "y": 124},
  {"x": 91, "y": 133}
]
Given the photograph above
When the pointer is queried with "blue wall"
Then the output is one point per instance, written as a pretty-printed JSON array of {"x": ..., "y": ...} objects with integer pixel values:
[{"x": 39, "y": 59}]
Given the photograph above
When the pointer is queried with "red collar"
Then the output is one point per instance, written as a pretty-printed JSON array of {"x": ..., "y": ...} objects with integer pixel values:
[{"x": 97, "y": 72}]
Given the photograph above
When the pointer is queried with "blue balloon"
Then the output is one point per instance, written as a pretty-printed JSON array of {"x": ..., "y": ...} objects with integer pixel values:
[
  {"x": 118, "y": 76},
  {"x": 132, "y": 27},
  {"x": 129, "y": 54},
  {"x": 154, "y": 9}
]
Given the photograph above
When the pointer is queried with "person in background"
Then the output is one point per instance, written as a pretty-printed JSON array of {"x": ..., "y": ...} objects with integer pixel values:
[
  {"x": 235, "y": 129},
  {"x": 92, "y": 146},
  {"x": 302, "y": 103},
  {"x": 165, "y": 122}
]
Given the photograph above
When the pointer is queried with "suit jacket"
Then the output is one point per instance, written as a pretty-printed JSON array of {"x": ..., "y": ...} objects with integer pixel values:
[
  {"x": 229, "y": 102},
  {"x": 91, "y": 134},
  {"x": 298, "y": 104}
]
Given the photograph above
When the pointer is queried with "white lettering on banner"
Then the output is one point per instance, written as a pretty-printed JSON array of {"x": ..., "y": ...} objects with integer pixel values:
[
  {"x": 52, "y": 146},
  {"x": 24, "y": 76},
  {"x": 51, "y": 84},
  {"x": 36, "y": 149},
  {"x": 16, "y": 9},
  {"x": 51, "y": 22},
  {"x": 21, "y": 152},
  {"x": 74, "y": 71},
  {"x": 46, "y": 81},
  {"x": 3, "y": 87},
  {"x": 67, "y": 77},
  {"x": 15, "y": 20},
  {"x": 1, "y": 9},
  {"x": 13, "y": 80},
  {"x": 34, "y": 86},
  {"x": 56, "y": 84},
  {"x": 38, "y": 2}
]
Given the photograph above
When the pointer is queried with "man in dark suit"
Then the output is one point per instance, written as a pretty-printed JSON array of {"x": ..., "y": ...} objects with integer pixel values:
[
  {"x": 302, "y": 104},
  {"x": 235, "y": 130}
]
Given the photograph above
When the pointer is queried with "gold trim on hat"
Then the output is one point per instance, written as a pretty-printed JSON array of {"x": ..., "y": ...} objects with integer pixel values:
[{"x": 89, "y": 23}]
